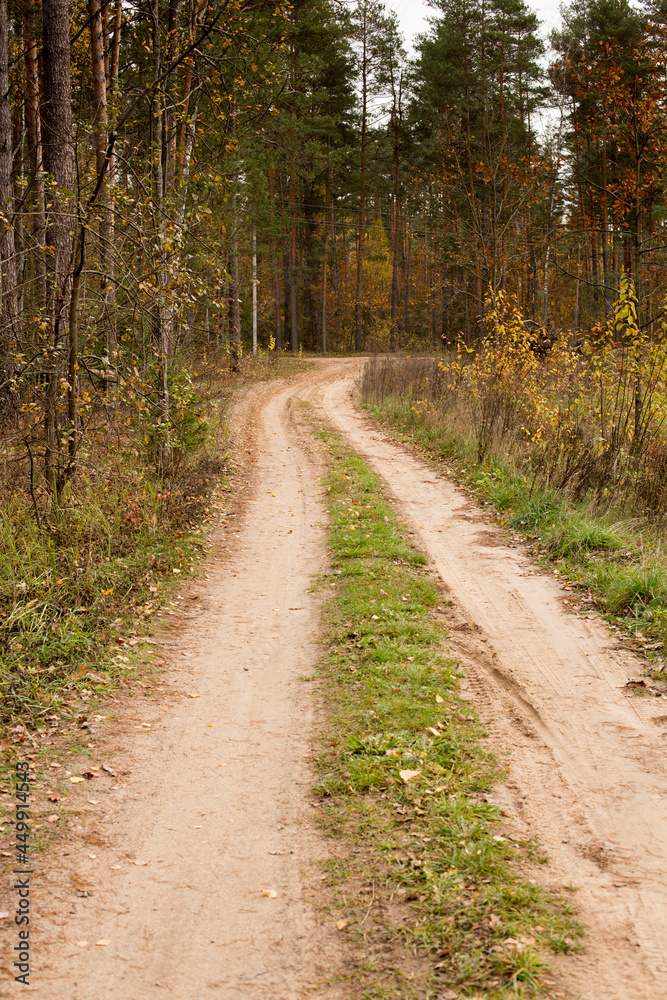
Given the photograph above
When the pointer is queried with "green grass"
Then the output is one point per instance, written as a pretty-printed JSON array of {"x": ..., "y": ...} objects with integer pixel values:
[
  {"x": 72, "y": 587},
  {"x": 617, "y": 563},
  {"x": 431, "y": 844}
]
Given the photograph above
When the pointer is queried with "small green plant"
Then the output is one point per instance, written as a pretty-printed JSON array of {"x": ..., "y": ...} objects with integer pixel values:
[{"x": 403, "y": 774}]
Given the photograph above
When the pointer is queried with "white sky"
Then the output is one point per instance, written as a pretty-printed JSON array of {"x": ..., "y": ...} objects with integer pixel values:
[{"x": 412, "y": 15}]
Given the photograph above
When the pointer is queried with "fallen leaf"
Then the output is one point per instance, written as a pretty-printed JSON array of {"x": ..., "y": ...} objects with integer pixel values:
[
  {"x": 141, "y": 863},
  {"x": 439, "y": 699},
  {"x": 409, "y": 775},
  {"x": 4, "y": 915},
  {"x": 89, "y": 774},
  {"x": 53, "y": 797},
  {"x": 52, "y": 819},
  {"x": 92, "y": 857},
  {"x": 55, "y": 765},
  {"x": 103, "y": 943},
  {"x": 115, "y": 868},
  {"x": 376, "y": 617},
  {"x": 434, "y": 731},
  {"x": 269, "y": 893},
  {"x": 342, "y": 923},
  {"x": 75, "y": 780},
  {"x": 194, "y": 696},
  {"x": 82, "y": 944},
  {"x": 109, "y": 770}
]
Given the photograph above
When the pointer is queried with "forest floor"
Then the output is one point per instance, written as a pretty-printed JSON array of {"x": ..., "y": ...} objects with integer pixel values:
[{"x": 192, "y": 865}]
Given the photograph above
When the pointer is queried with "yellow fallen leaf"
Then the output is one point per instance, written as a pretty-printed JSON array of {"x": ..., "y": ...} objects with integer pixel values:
[
  {"x": 432, "y": 730},
  {"x": 409, "y": 775},
  {"x": 269, "y": 893},
  {"x": 194, "y": 696},
  {"x": 439, "y": 699},
  {"x": 75, "y": 780},
  {"x": 342, "y": 923}
]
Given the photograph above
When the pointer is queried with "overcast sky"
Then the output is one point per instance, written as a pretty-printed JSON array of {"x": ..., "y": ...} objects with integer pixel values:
[{"x": 412, "y": 15}]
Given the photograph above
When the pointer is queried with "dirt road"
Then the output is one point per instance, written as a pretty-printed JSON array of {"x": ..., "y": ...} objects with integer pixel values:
[
  {"x": 588, "y": 759},
  {"x": 169, "y": 866},
  {"x": 158, "y": 890}
]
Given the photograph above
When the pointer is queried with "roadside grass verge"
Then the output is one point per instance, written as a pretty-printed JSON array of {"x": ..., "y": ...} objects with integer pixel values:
[
  {"x": 404, "y": 777},
  {"x": 614, "y": 560}
]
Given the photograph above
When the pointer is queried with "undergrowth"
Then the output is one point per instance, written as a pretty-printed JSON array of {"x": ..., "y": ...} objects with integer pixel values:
[{"x": 404, "y": 777}]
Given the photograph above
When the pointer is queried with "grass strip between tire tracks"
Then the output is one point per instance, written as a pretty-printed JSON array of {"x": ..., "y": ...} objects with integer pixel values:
[{"x": 404, "y": 779}]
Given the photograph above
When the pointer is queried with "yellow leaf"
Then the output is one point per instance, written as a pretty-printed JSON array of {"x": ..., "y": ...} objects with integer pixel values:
[
  {"x": 409, "y": 775},
  {"x": 342, "y": 923},
  {"x": 269, "y": 893},
  {"x": 75, "y": 780},
  {"x": 439, "y": 699}
]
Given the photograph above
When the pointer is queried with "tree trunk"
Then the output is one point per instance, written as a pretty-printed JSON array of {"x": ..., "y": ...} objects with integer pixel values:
[
  {"x": 59, "y": 165},
  {"x": 34, "y": 138},
  {"x": 274, "y": 264},
  {"x": 170, "y": 142},
  {"x": 101, "y": 134},
  {"x": 324, "y": 284},
  {"x": 408, "y": 254},
  {"x": 234, "y": 299},
  {"x": 254, "y": 294},
  {"x": 358, "y": 302},
  {"x": 7, "y": 257},
  {"x": 293, "y": 277}
]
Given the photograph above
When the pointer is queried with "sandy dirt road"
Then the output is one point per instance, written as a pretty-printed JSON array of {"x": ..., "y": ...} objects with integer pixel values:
[
  {"x": 169, "y": 866},
  {"x": 588, "y": 759},
  {"x": 166, "y": 861}
]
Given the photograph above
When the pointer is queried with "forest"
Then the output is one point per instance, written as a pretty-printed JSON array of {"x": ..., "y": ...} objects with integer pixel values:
[
  {"x": 329, "y": 355},
  {"x": 196, "y": 190},
  {"x": 190, "y": 176}
]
